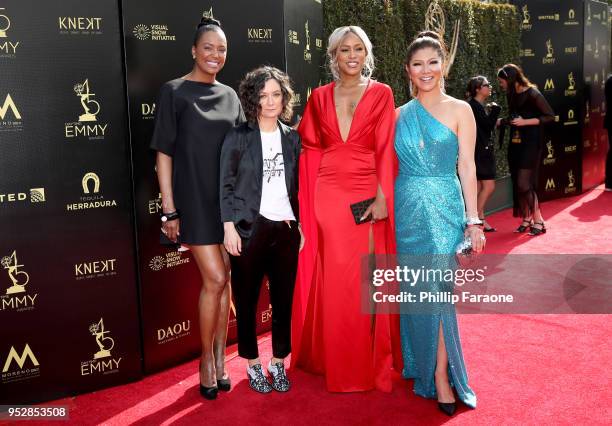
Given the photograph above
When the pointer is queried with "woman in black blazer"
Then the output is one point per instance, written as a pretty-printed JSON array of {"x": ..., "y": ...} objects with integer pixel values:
[{"x": 259, "y": 209}]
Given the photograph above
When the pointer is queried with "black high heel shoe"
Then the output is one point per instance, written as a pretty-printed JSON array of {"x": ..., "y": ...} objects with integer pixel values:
[
  {"x": 537, "y": 231},
  {"x": 209, "y": 393},
  {"x": 224, "y": 385},
  {"x": 448, "y": 408},
  {"x": 522, "y": 228}
]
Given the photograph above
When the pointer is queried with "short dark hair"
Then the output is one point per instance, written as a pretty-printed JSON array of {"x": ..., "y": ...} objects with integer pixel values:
[
  {"x": 206, "y": 24},
  {"x": 474, "y": 84},
  {"x": 253, "y": 83}
]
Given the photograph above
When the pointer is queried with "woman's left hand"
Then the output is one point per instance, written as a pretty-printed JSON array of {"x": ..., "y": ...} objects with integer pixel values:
[
  {"x": 519, "y": 122},
  {"x": 477, "y": 237},
  {"x": 378, "y": 209}
]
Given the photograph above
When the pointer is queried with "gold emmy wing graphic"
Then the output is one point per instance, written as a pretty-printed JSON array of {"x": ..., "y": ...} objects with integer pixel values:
[
  {"x": 5, "y": 24},
  {"x": 435, "y": 21},
  {"x": 571, "y": 179},
  {"x": 526, "y": 15},
  {"x": 549, "y": 48},
  {"x": 106, "y": 344},
  {"x": 19, "y": 278},
  {"x": 82, "y": 90}
]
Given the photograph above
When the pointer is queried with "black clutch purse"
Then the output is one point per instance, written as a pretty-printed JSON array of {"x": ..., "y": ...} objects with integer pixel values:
[
  {"x": 358, "y": 209},
  {"x": 167, "y": 242}
]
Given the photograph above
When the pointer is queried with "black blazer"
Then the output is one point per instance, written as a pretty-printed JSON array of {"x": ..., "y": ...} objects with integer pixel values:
[{"x": 242, "y": 174}]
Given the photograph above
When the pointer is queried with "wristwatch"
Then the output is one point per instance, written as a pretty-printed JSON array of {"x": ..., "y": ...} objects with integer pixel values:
[{"x": 167, "y": 217}]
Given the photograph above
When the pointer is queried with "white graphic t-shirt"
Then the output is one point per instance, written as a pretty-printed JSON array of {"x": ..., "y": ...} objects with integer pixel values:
[{"x": 275, "y": 203}]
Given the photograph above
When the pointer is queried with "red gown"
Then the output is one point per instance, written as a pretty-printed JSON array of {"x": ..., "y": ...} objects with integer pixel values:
[{"x": 331, "y": 334}]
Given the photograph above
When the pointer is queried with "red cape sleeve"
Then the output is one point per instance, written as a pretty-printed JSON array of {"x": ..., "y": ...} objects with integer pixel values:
[{"x": 310, "y": 158}]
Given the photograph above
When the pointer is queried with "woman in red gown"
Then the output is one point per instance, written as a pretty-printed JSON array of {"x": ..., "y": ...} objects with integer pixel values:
[{"x": 348, "y": 156}]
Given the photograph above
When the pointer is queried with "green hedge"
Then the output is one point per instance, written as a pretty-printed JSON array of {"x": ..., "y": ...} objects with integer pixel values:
[{"x": 489, "y": 37}]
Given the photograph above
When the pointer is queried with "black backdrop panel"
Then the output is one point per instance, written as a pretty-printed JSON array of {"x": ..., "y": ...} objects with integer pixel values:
[
  {"x": 305, "y": 48},
  {"x": 67, "y": 278},
  {"x": 596, "y": 69},
  {"x": 551, "y": 55},
  {"x": 158, "y": 39}
]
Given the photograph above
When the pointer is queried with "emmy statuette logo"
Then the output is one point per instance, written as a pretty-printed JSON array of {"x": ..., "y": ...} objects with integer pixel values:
[
  {"x": 155, "y": 205},
  {"x": 550, "y": 157},
  {"x": 102, "y": 362},
  {"x": 526, "y": 24},
  {"x": 18, "y": 277},
  {"x": 15, "y": 297},
  {"x": 82, "y": 91},
  {"x": 549, "y": 59},
  {"x": 571, "y": 85},
  {"x": 208, "y": 14},
  {"x": 550, "y": 185},
  {"x": 87, "y": 124},
  {"x": 307, "y": 53},
  {"x": 571, "y": 185},
  {"x": 105, "y": 343},
  {"x": 436, "y": 21}
]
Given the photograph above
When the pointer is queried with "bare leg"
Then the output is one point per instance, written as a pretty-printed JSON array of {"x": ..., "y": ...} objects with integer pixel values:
[
  {"x": 209, "y": 259},
  {"x": 485, "y": 189},
  {"x": 443, "y": 388},
  {"x": 221, "y": 331}
]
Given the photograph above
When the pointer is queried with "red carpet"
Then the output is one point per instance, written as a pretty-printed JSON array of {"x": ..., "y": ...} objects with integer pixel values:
[{"x": 525, "y": 369}]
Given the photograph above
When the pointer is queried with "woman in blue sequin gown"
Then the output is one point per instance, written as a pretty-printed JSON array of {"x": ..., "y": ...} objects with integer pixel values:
[{"x": 434, "y": 140}]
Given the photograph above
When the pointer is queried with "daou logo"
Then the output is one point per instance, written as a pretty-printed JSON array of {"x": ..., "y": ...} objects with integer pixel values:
[{"x": 173, "y": 332}]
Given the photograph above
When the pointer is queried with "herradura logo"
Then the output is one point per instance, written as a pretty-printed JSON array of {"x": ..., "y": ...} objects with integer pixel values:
[
  {"x": 16, "y": 298},
  {"x": 92, "y": 197}
]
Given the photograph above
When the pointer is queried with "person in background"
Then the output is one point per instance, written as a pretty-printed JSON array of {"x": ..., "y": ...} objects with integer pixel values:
[
  {"x": 259, "y": 209},
  {"x": 478, "y": 90},
  {"x": 529, "y": 112},
  {"x": 194, "y": 112}
]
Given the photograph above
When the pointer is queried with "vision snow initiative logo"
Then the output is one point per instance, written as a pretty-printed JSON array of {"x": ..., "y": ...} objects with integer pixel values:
[{"x": 153, "y": 32}]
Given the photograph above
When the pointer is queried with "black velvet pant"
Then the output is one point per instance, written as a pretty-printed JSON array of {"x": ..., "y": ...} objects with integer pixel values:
[{"x": 271, "y": 250}]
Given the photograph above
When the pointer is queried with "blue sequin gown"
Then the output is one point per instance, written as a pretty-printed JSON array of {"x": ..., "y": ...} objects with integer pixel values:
[{"x": 430, "y": 218}]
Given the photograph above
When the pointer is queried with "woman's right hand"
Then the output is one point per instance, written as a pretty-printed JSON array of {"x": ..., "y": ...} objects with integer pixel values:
[
  {"x": 171, "y": 229},
  {"x": 232, "y": 240}
]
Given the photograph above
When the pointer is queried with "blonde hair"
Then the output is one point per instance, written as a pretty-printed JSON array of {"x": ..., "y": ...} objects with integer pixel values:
[{"x": 335, "y": 39}]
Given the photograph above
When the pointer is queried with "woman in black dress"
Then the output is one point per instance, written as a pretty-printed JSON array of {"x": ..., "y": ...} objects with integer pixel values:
[
  {"x": 193, "y": 115},
  {"x": 478, "y": 90},
  {"x": 529, "y": 111}
]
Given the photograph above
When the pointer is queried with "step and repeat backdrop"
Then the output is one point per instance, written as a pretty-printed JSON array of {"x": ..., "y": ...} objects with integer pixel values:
[
  {"x": 566, "y": 53},
  {"x": 79, "y": 80},
  {"x": 68, "y": 294}
]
